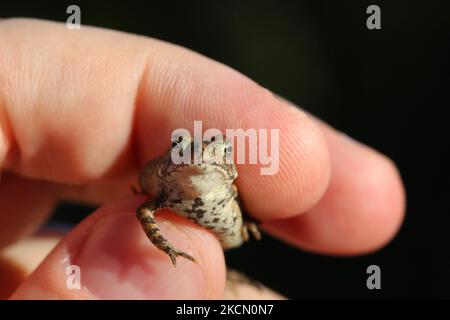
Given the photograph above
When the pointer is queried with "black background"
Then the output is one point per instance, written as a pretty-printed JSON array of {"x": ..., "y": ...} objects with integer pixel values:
[{"x": 387, "y": 88}]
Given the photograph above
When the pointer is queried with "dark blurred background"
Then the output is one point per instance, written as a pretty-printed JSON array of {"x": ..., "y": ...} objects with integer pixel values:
[{"x": 387, "y": 88}]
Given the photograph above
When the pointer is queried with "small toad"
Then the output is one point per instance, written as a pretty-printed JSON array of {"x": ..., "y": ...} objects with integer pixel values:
[{"x": 200, "y": 189}]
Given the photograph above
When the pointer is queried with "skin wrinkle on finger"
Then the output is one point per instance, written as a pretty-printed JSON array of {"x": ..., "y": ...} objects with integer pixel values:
[
  {"x": 3, "y": 143},
  {"x": 142, "y": 271},
  {"x": 71, "y": 107},
  {"x": 87, "y": 130},
  {"x": 24, "y": 205}
]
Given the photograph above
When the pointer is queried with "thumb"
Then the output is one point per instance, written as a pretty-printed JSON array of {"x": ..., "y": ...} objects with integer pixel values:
[{"x": 109, "y": 255}]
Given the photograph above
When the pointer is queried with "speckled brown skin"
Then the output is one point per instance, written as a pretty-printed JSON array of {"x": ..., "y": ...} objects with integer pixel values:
[{"x": 202, "y": 191}]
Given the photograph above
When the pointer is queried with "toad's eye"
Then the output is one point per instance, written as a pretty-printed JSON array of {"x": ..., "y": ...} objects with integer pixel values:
[
  {"x": 228, "y": 149},
  {"x": 213, "y": 139}
]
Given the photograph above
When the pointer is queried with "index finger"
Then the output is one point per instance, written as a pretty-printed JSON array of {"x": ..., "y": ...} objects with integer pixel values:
[{"x": 92, "y": 105}]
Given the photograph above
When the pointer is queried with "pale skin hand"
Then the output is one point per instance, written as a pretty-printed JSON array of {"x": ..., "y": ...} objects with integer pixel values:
[{"x": 82, "y": 111}]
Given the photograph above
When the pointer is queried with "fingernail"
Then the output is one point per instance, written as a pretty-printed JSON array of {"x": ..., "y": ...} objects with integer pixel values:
[{"x": 117, "y": 261}]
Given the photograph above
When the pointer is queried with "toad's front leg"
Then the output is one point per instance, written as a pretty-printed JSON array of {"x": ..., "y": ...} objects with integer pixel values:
[{"x": 145, "y": 214}]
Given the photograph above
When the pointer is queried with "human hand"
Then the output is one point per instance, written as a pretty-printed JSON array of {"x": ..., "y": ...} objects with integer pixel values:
[{"x": 81, "y": 111}]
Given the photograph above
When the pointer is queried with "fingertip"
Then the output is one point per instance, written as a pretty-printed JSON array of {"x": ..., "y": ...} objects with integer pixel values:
[
  {"x": 371, "y": 188},
  {"x": 116, "y": 260},
  {"x": 362, "y": 209},
  {"x": 381, "y": 203}
]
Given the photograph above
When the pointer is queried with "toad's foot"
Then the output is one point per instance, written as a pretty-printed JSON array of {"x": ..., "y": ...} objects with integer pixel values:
[
  {"x": 145, "y": 214},
  {"x": 253, "y": 228},
  {"x": 174, "y": 253}
]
